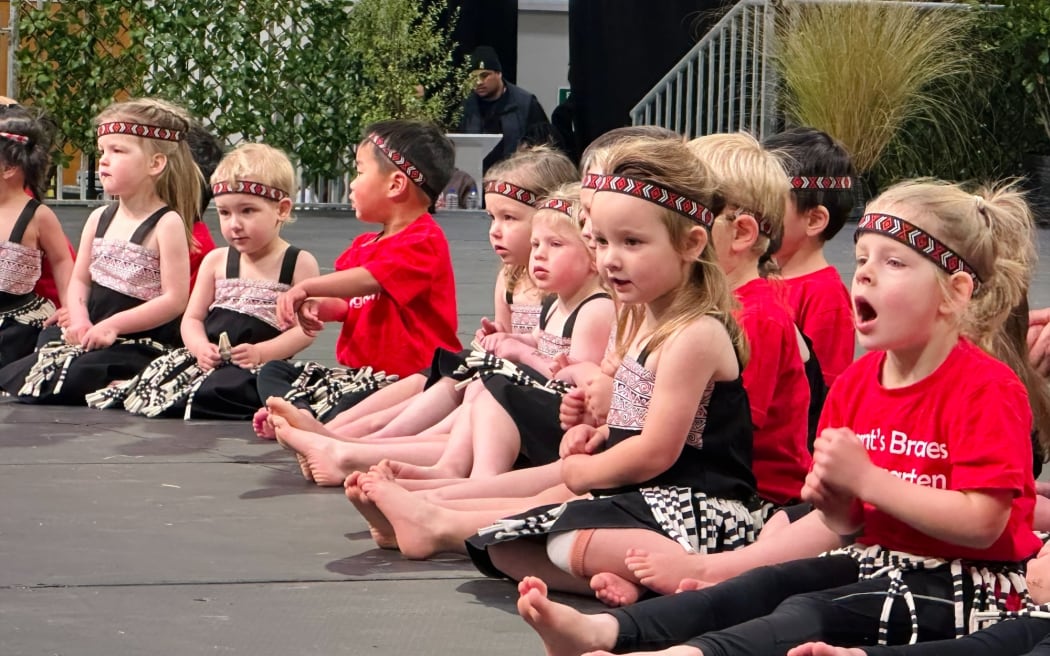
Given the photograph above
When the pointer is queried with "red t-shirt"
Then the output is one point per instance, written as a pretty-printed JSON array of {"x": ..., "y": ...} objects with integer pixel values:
[
  {"x": 824, "y": 313},
  {"x": 397, "y": 329},
  {"x": 777, "y": 391},
  {"x": 205, "y": 244},
  {"x": 966, "y": 426},
  {"x": 45, "y": 285}
]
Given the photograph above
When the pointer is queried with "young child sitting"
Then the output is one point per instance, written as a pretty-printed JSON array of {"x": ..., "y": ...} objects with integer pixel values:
[
  {"x": 821, "y": 198},
  {"x": 230, "y": 325},
  {"x": 393, "y": 290}
]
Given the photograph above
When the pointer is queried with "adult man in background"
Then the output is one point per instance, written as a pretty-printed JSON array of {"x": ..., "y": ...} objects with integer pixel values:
[{"x": 499, "y": 107}]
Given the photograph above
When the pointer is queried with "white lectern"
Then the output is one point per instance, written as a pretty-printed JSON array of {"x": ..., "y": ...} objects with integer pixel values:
[{"x": 471, "y": 150}]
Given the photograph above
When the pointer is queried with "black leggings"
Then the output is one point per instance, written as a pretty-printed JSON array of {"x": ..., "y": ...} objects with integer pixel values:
[
  {"x": 771, "y": 609},
  {"x": 1025, "y": 636}
]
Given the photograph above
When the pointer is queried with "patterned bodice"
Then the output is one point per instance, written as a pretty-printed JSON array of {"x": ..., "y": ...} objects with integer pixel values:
[
  {"x": 524, "y": 317},
  {"x": 255, "y": 298},
  {"x": 20, "y": 268},
  {"x": 127, "y": 268},
  {"x": 632, "y": 393},
  {"x": 551, "y": 345}
]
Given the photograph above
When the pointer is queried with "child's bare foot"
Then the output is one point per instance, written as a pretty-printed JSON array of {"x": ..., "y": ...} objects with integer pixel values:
[
  {"x": 318, "y": 458},
  {"x": 381, "y": 530},
  {"x": 261, "y": 424},
  {"x": 823, "y": 649},
  {"x": 419, "y": 526},
  {"x": 685, "y": 585},
  {"x": 613, "y": 590},
  {"x": 383, "y": 470},
  {"x": 295, "y": 416},
  {"x": 661, "y": 572},
  {"x": 418, "y": 472},
  {"x": 564, "y": 630}
]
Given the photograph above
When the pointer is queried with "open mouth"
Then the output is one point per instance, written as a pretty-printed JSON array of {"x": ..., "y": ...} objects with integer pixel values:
[{"x": 864, "y": 311}]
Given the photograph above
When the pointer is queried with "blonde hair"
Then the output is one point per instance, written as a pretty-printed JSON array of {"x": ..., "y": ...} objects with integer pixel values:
[
  {"x": 992, "y": 229},
  {"x": 751, "y": 178},
  {"x": 256, "y": 162},
  {"x": 569, "y": 193},
  {"x": 179, "y": 184},
  {"x": 595, "y": 155},
  {"x": 541, "y": 170},
  {"x": 704, "y": 291}
]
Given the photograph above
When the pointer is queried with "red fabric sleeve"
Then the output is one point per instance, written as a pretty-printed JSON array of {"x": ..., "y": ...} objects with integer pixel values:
[{"x": 406, "y": 271}]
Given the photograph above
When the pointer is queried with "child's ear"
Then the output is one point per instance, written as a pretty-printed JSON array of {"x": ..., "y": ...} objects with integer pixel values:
[
  {"x": 8, "y": 172},
  {"x": 695, "y": 243},
  {"x": 960, "y": 290},
  {"x": 284, "y": 208},
  {"x": 399, "y": 183},
  {"x": 816, "y": 220},
  {"x": 745, "y": 232},
  {"x": 157, "y": 163}
]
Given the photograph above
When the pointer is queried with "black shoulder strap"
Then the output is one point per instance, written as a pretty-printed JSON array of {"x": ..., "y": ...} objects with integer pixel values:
[
  {"x": 147, "y": 226},
  {"x": 545, "y": 310},
  {"x": 233, "y": 263},
  {"x": 22, "y": 222},
  {"x": 291, "y": 255},
  {"x": 566, "y": 330},
  {"x": 105, "y": 220},
  {"x": 643, "y": 355}
]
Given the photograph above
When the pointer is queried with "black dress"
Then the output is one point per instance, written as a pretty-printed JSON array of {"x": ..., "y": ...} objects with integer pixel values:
[
  {"x": 174, "y": 386},
  {"x": 124, "y": 274},
  {"x": 22, "y": 312}
]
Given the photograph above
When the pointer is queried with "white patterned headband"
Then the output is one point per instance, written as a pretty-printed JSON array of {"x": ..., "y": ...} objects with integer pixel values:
[
  {"x": 248, "y": 187},
  {"x": 138, "y": 130}
]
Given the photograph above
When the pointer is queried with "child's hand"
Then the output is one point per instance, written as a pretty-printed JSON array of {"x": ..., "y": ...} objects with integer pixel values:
[
  {"x": 573, "y": 409},
  {"x": 246, "y": 356},
  {"x": 288, "y": 305},
  {"x": 512, "y": 349},
  {"x": 309, "y": 317},
  {"x": 598, "y": 392},
  {"x": 840, "y": 461},
  {"x": 74, "y": 332},
  {"x": 581, "y": 439},
  {"x": 207, "y": 355},
  {"x": 60, "y": 318},
  {"x": 98, "y": 336},
  {"x": 843, "y": 513},
  {"x": 574, "y": 472},
  {"x": 491, "y": 341},
  {"x": 1037, "y": 575},
  {"x": 1039, "y": 340},
  {"x": 488, "y": 327},
  {"x": 561, "y": 362}
]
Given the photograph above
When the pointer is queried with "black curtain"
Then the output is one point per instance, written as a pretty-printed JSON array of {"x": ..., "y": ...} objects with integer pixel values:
[
  {"x": 488, "y": 23},
  {"x": 619, "y": 49}
]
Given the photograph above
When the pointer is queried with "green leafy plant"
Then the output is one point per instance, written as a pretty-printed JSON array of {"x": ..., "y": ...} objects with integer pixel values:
[{"x": 862, "y": 70}]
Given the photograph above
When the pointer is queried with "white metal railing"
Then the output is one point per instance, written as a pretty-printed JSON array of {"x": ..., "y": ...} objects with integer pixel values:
[
  {"x": 728, "y": 81},
  {"x": 725, "y": 83}
]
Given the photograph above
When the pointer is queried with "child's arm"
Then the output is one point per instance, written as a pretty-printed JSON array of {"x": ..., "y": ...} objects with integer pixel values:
[
  {"x": 203, "y": 295},
  {"x": 53, "y": 242},
  {"x": 590, "y": 335},
  {"x": 80, "y": 283},
  {"x": 501, "y": 312},
  {"x": 687, "y": 362},
  {"x": 289, "y": 342},
  {"x": 969, "y": 518},
  {"x": 339, "y": 284},
  {"x": 175, "y": 289}
]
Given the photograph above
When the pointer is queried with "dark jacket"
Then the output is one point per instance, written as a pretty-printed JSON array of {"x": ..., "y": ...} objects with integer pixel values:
[{"x": 521, "y": 119}]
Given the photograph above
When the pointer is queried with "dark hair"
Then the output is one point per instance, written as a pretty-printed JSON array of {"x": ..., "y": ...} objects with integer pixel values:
[
  {"x": 809, "y": 152},
  {"x": 207, "y": 152},
  {"x": 423, "y": 144},
  {"x": 32, "y": 157}
]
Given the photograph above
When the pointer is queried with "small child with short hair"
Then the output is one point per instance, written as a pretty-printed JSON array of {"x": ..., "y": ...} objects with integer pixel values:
[
  {"x": 230, "y": 325},
  {"x": 821, "y": 199},
  {"x": 393, "y": 290}
]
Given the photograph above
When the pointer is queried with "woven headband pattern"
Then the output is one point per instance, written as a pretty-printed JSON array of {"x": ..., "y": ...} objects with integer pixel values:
[
  {"x": 511, "y": 191},
  {"x": 558, "y": 205},
  {"x": 399, "y": 160},
  {"x": 821, "y": 182},
  {"x": 654, "y": 193},
  {"x": 138, "y": 130},
  {"x": 248, "y": 187},
  {"x": 590, "y": 181},
  {"x": 18, "y": 138},
  {"x": 918, "y": 240}
]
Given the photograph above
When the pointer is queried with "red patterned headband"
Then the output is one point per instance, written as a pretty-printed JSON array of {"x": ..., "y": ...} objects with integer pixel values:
[
  {"x": 400, "y": 161},
  {"x": 918, "y": 240},
  {"x": 18, "y": 138},
  {"x": 590, "y": 181},
  {"x": 821, "y": 182},
  {"x": 654, "y": 193},
  {"x": 511, "y": 191},
  {"x": 558, "y": 205},
  {"x": 248, "y": 187},
  {"x": 138, "y": 130}
]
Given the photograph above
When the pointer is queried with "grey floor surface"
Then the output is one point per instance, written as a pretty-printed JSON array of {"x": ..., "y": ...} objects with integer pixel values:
[{"x": 121, "y": 535}]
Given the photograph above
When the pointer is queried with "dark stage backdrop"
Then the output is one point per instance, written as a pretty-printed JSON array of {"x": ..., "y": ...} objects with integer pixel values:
[{"x": 488, "y": 23}]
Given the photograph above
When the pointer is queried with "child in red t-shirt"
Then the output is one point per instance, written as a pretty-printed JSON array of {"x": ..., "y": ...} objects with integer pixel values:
[
  {"x": 924, "y": 462},
  {"x": 821, "y": 198},
  {"x": 393, "y": 290}
]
